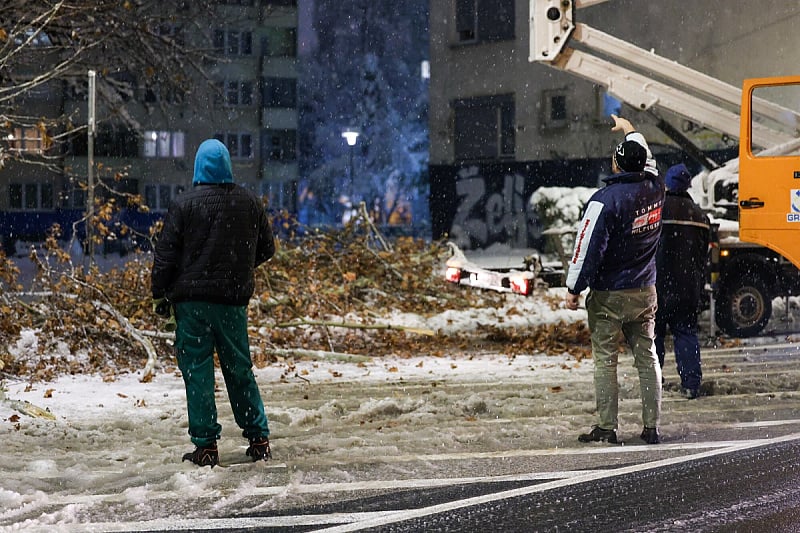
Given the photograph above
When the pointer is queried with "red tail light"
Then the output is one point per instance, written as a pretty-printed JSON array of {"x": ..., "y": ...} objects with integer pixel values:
[
  {"x": 520, "y": 285},
  {"x": 453, "y": 274}
]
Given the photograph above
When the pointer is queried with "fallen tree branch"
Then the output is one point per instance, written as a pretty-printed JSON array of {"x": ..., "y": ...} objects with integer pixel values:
[
  {"x": 27, "y": 408},
  {"x": 354, "y": 325},
  {"x": 149, "y": 367},
  {"x": 320, "y": 355}
]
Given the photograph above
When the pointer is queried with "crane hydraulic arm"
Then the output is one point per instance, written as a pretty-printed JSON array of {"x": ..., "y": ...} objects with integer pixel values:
[{"x": 693, "y": 95}]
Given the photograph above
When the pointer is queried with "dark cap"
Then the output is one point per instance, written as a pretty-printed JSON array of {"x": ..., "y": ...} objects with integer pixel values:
[
  {"x": 678, "y": 178},
  {"x": 630, "y": 156}
]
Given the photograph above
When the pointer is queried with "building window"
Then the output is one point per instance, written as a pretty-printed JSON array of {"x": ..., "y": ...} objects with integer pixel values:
[
  {"x": 240, "y": 145},
  {"x": 554, "y": 107},
  {"x": 484, "y": 127},
  {"x": 233, "y": 42},
  {"x": 15, "y": 196},
  {"x": 279, "y": 42},
  {"x": 289, "y": 3},
  {"x": 74, "y": 197},
  {"x": 155, "y": 92},
  {"x": 109, "y": 141},
  {"x": 158, "y": 197},
  {"x": 280, "y": 92},
  {"x": 26, "y": 139},
  {"x": 164, "y": 144},
  {"x": 234, "y": 93},
  {"x": 30, "y": 196},
  {"x": 113, "y": 141},
  {"x": 484, "y": 20},
  {"x": 279, "y": 145}
]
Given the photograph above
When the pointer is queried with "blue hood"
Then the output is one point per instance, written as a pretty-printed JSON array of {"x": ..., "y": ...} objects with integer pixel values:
[{"x": 212, "y": 164}]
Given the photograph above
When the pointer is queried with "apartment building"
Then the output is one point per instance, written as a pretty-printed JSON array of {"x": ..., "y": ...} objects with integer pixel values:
[
  {"x": 250, "y": 104},
  {"x": 501, "y": 126}
]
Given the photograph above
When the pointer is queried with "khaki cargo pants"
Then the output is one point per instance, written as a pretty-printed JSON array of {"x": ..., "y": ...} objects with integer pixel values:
[{"x": 628, "y": 316}]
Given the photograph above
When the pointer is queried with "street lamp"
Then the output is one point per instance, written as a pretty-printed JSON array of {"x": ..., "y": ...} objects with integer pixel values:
[{"x": 351, "y": 136}]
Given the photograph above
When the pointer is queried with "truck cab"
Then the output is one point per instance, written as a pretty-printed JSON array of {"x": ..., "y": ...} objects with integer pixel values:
[
  {"x": 769, "y": 180},
  {"x": 764, "y": 261}
]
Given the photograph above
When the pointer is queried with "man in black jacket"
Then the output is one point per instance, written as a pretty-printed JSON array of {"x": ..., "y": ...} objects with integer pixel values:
[
  {"x": 214, "y": 236},
  {"x": 681, "y": 273}
]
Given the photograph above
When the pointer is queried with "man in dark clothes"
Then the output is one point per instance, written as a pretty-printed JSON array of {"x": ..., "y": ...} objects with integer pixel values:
[
  {"x": 214, "y": 237},
  {"x": 681, "y": 273}
]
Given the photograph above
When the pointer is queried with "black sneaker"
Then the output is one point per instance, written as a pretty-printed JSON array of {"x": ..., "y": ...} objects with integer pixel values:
[
  {"x": 599, "y": 434},
  {"x": 204, "y": 455},
  {"x": 259, "y": 449},
  {"x": 650, "y": 436}
]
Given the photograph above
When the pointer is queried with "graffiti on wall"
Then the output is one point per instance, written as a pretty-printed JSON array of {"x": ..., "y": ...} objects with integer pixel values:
[{"x": 491, "y": 210}]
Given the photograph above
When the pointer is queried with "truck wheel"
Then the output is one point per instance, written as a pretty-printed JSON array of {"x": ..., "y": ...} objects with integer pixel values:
[{"x": 743, "y": 308}]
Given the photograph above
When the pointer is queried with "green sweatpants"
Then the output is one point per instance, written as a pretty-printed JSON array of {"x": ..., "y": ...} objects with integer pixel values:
[
  {"x": 630, "y": 315},
  {"x": 202, "y": 327}
]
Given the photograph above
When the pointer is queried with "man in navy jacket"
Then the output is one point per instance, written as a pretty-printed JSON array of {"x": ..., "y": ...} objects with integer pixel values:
[
  {"x": 614, "y": 257},
  {"x": 681, "y": 265}
]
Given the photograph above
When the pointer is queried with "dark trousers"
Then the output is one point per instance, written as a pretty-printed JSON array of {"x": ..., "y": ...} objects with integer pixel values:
[{"x": 682, "y": 323}]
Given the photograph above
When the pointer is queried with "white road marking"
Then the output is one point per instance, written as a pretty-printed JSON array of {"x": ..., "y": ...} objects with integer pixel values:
[
  {"x": 167, "y": 524},
  {"x": 765, "y": 423}
]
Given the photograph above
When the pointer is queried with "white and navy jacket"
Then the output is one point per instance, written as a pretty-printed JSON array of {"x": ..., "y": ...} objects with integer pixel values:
[{"x": 618, "y": 236}]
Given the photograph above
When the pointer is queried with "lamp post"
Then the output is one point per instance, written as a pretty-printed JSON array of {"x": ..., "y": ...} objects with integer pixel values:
[
  {"x": 351, "y": 136},
  {"x": 91, "y": 131}
]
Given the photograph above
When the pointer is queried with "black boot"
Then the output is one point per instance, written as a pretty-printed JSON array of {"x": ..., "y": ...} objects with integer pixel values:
[
  {"x": 259, "y": 449},
  {"x": 204, "y": 455},
  {"x": 650, "y": 436},
  {"x": 599, "y": 434}
]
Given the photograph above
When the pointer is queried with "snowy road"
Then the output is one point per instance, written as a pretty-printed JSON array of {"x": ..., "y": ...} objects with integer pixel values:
[{"x": 375, "y": 444}]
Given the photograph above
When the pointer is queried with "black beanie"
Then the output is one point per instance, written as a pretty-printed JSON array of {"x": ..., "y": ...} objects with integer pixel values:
[{"x": 630, "y": 156}]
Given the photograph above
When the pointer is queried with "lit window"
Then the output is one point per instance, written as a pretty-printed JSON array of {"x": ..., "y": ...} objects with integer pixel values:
[
  {"x": 164, "y": 143},
  {"x": 26, "y": 139}
]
